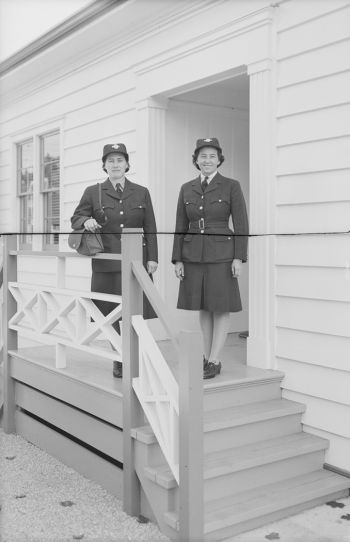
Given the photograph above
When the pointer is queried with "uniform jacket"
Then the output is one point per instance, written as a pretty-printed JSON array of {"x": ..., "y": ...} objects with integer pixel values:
[
  {"x": 215, "y": 242},
  {"x": 133, "y": 210}
]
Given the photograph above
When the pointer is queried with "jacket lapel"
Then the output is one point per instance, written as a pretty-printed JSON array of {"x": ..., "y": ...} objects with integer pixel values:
[
  {"x": 129, "y": 187},
  {"x": 196, "y": 185},
  {"x": 107, "y": 185},
  {"x": 214, "y": 183}
]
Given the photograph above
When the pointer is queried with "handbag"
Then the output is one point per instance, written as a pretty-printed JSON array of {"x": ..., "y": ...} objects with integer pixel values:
[{"x": 85, "y": 242}]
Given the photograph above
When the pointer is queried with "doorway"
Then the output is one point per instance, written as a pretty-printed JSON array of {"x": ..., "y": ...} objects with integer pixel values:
[{"x": 218, "y": 110}]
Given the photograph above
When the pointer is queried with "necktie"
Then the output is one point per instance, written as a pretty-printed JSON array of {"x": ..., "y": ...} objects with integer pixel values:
[
  {"x": 119, "y": 187},
  {"x": 205, "y": 183}
]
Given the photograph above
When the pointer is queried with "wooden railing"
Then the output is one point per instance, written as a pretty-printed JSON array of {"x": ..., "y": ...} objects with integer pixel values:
[{"x": 179, "y": 409}]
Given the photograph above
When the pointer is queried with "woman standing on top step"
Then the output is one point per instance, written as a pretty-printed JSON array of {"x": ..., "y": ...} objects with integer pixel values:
[{"x": 207, "y": 255}]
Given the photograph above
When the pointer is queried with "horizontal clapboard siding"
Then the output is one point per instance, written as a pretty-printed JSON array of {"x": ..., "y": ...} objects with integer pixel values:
[{"x": 313, "y": 196}]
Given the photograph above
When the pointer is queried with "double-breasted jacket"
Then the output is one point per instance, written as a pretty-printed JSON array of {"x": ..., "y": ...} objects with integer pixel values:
[
  {"x": 202, "y": 222},
  {"x": 132, "y": 210}
]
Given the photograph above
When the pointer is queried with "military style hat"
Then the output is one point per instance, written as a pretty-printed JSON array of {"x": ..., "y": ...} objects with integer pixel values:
[
  {"x": 116, "y": 147},
  {"x": 208, "y": 142}
]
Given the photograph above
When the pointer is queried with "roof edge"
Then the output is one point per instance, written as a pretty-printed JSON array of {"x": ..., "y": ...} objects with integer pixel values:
[{"x": 80, "y": 19}]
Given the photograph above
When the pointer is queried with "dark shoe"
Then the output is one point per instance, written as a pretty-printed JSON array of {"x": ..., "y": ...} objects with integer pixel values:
[
  {"x": 205, "y": 363},
  {"x": 117, "y": 369},
  {"x": 212, "y": 369}
]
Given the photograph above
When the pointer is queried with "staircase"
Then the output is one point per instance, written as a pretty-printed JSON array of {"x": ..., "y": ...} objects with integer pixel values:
[{"x": 259, "y": 466}]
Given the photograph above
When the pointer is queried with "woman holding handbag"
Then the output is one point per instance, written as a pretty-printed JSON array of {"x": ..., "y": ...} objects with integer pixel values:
[
  {"x": 208, "y": 255},
  {"x": 123, "y": 205}
]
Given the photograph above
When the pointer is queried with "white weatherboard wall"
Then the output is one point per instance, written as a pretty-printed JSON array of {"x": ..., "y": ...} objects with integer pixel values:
[
  {"x": 298, "y": 54},
  {"x": 313, "y": 196}
]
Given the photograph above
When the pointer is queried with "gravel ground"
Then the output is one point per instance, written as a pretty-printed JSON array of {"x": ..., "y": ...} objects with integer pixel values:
[{"x": 42, "y": 500}]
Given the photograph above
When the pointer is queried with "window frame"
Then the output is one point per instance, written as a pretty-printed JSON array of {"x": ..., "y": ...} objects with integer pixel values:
[
  {"x": 44, "y": 192},
  {"x": 35, "y": 133}
]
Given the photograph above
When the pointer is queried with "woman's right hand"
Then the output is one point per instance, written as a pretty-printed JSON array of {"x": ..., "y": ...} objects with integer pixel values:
[
  {"x": 180, "y": 270},
  {"x": 91, "y": 225}
]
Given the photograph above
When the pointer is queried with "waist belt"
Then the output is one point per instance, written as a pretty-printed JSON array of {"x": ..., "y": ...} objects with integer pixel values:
[{"x": 201, "y": 224}]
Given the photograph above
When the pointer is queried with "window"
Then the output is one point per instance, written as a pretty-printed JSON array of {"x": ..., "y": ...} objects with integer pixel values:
[
  {"x": 25, "y": 191},
  {"x": 38, "y": 190},
  {"x": 50, "y": 187}
]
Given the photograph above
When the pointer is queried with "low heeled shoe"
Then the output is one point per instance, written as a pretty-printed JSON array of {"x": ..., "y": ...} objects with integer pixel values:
[
  {"x": 212, "y": 369},
  {"x": 117, "y": 369}
]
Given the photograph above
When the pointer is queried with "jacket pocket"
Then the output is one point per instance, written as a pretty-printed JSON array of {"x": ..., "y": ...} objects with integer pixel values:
[
  {"x": 138, "y": 205},
  {"x": 220, "y": 200},
  {"x": 190, "y": 201},
  {"x": 224, "y": 247},
  {"x": 187, "y": 247}
]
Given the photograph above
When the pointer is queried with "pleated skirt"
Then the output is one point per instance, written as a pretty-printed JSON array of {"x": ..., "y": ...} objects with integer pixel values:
[{"x": 209, "y": 287}]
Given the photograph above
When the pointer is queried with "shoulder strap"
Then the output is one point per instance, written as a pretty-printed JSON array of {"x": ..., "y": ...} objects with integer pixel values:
[{"x": 99, "y": 195}]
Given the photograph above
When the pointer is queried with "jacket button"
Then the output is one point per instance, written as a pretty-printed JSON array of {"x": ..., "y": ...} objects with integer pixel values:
[
  {"x": 202, "y": 231},
  {"x": 120, "y": 201},
  {"x": 201, "y": 207},
  {"x": 219, "y": 200},
  {"x": 122, "y": 225},
  {"x": 202, "y": 197},
  {"x": 186, "y": 202},
  {"x": 229, "y": 237},
  {"x": 140, "y": 206},
  {"x": 121, "y": 212}
]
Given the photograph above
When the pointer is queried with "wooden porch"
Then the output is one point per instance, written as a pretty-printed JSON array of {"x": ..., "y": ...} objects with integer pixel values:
[{"x": 205, "y": 460}]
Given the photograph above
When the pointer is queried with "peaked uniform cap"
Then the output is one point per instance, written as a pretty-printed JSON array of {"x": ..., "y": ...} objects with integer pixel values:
[
  {"x": 114, "y": 147},
  {"x": 208, "y": 142}
]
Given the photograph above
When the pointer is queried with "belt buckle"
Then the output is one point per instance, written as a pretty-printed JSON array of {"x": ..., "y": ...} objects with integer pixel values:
[{"x": 201, "y": 223}]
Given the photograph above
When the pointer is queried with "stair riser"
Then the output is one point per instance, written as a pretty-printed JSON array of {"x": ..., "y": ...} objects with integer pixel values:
[
  {"x": 230, "y": 484},
  {"x": 241, "y": 396},
  {"x": 254, "y": 523},
  {"x": 241, "y": 435}
]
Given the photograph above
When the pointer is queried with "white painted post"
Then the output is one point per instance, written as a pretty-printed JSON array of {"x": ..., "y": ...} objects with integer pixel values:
[
  {"x": 10, "y": 336},
  {"x": 60, "y": 272},
  {"x": 61, "y": 356},
  {"x": 133, "y": 416},
  {"x": 191, "y": 439}
]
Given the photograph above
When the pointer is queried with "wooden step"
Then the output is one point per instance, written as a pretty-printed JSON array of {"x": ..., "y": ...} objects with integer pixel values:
[
  {"x": 238, "y": 469},
  {"x": 245, "y": 424},
  {"x": 258, "y": 507},
  {"x": 243, "y": 386}
]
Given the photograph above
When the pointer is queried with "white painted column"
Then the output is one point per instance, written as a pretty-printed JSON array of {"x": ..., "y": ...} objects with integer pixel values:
[
  {"x": 261, "y": 341},
  {"x": 151, "y": 172}
]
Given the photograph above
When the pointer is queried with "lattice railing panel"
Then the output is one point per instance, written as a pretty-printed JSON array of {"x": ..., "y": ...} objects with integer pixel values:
[
  {"x": 158, "y": 393},
  {"x": 59, "y": 317}
]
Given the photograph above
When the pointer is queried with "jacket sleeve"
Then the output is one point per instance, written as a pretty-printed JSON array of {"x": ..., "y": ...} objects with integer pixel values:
[
  {"x": 240, "y": 222},
  {"x": 181, "y": 228},
  {"x": 83, "y": 211},
  {"x": 150, "y": 230}
]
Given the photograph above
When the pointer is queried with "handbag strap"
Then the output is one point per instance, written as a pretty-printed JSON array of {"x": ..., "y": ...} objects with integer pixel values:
[{"x": 99, "y": 195}]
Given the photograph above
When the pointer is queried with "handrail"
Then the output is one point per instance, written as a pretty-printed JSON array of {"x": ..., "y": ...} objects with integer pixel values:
[
  {"x": 58, "y": 254},
  {"x": 157, "y": 303}
]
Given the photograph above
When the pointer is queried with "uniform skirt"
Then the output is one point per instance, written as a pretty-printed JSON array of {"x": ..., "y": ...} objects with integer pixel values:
[
  {"x": 209, "y": 287},
  {"x": 111, "y": 283}
]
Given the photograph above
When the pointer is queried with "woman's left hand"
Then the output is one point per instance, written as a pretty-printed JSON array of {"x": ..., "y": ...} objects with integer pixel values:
[
  {"x": 236, "y": 268},
  {"x": 151, "y": 267}
]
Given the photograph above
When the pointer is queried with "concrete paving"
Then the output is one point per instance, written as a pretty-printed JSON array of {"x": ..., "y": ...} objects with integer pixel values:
[{"x": 326, "y": 523}]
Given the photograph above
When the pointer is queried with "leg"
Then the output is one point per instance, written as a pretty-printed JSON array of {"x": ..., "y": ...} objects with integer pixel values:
[
  {"x": 206, "y": 321},
  {"x": 221, "y": 323}
]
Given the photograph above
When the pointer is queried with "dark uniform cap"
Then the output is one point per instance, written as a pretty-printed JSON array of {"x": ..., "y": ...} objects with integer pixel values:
[
  {"x": 115, "y": 147},
  {"x": 208, "y": 142}
]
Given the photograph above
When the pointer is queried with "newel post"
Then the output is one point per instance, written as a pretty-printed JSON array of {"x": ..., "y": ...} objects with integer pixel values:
[
  {"x": 10, "y": 337},
  {"x": 132, "y": 301},
  {"x": 191, "y": 441}
]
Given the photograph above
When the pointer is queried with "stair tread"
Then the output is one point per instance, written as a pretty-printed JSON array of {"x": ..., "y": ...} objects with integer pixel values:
[
  {"x": 232, "y": 460},
  {"x": 250, "y": 413},
  {"x": 268, "y": 499},
  {"x": 260, "y": 453}
]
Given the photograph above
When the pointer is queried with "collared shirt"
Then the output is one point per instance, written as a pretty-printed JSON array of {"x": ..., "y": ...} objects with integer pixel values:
[{"x": 209, "y": 178}]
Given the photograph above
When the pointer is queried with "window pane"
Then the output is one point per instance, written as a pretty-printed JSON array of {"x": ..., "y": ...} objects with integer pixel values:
[
  {"x": 50, "y": 180},
  {"x": 25, "y": 167},
  {"x": 26, "y": 219},
  {"x": 52, "y": 217}
]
